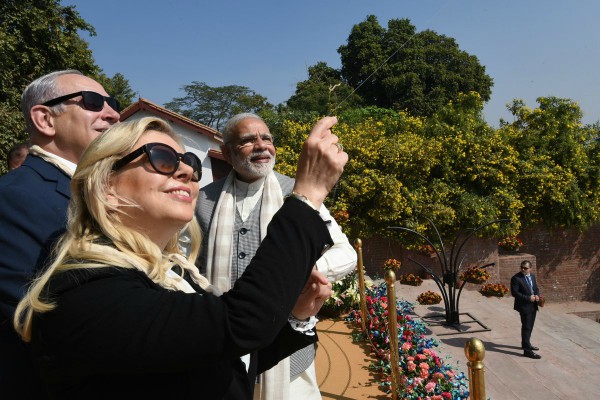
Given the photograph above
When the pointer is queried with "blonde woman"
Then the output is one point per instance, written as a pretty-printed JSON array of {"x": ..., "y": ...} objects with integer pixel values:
[{"x": 120, "y": 313}]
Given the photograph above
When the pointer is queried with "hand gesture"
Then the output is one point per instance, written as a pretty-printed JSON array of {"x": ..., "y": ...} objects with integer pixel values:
[
  {"x": 321, "y": 162},
  {"x": 316, "y": 291}
]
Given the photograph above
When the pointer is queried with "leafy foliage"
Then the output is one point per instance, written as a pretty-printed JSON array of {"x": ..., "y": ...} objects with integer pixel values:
[
  {"x": 402, "y": 69},
  {"x": 213, "y": 106},
  {"x": 454, "y": 169},
  {"x": 38, "y": 37},
  {"x": 323, "y": 92},
  {"x": 557, "y": 160},
  {"x": 118, "y": 87}
]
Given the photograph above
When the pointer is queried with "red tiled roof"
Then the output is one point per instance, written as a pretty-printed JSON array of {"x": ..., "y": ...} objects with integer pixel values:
[{"x": 171, "y": 116}]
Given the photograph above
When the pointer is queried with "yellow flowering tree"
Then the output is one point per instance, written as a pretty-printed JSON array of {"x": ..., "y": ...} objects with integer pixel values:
[
  {"x": 473, "y": 182},
  {"x": 455, "y": 169},
  {"x": 558, "y": 164}
]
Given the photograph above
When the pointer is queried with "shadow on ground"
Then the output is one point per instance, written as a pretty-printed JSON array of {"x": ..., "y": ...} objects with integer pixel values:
[{"x": 489, "y": 346}]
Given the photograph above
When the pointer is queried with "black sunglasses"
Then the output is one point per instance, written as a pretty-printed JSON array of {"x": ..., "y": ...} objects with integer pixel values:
[
  {"x": 164, "y": 159},
  {"x": 91, "y": 100}
]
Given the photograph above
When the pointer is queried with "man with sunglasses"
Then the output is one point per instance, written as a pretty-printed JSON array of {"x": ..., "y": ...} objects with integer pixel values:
[
  {"x": 524, "y": 288},
  {"x": 64, "y": 111},
  {"x": 234, "y": 213}
]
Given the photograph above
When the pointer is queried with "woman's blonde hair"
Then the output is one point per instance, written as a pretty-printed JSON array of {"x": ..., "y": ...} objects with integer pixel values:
[{"x": 96, "y": 236}]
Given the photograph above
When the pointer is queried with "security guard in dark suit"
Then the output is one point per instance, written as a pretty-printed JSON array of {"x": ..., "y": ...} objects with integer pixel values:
[{"x": 524, "y": 289}]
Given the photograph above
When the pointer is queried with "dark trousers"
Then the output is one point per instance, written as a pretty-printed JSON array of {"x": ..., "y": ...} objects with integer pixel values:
[{"x": 527, "y": 321}]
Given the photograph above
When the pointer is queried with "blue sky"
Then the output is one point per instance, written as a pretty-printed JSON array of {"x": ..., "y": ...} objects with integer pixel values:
[{"x": 531, "y": 48}]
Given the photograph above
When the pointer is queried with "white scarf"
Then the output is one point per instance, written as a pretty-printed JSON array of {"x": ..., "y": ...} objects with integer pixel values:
[
  {"x": 218, "y": 256},
  {"x": 275, "y": 383},
  {"x": 52, "y": 159}
]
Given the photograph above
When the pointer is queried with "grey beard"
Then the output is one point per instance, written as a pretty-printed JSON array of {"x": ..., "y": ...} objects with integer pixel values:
[{"x": 250, "y": 170}]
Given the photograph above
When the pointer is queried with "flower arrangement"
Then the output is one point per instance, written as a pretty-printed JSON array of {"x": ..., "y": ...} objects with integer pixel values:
[
  {"x": 494, "y": 289},
  {"x": 475, "y": 275},
  {"x": 391, "y": 263},
  {"x": 426, "y": 249},
  {"x": 424, "y": 374},
  {"x": 345, "y": 296},
  {"x": 512, "y": 243},
  {"x": 429, "y": 297},
  {"x": 410, "y": 279}
]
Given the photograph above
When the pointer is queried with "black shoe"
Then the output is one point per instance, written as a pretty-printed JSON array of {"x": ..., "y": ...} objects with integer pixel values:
[{"x": 531, "y": 354}]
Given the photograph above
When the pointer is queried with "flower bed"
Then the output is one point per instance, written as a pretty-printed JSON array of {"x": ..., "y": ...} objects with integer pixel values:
[
  {"x": 429, "y": 297},
  {"x": 410, "y": 279},
  {"x": 475, "y": 275},
  {"x": 494, "y": 289},
  {"x": 423, "y": 373}
]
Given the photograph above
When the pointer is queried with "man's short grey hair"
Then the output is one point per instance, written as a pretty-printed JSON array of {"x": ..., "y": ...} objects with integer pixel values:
[
  {"x": 229, "y": 128},
  {"x": 40, "y": 91}
]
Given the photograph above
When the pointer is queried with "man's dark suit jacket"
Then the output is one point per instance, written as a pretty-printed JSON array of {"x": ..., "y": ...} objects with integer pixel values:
[
  {"x": 519, "y": 289},
  {"x": 33, "y": 207},
  {"x": 117, "y": 334}
]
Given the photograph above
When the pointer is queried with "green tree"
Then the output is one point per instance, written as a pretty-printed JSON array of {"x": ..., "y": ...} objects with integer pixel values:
[
  {"x": 35, "y": 37},
  {"x": 213, "y": 106},
  {"x": 558, "y": 163},
  {"x": 118, "y": 87},
  {"x": 324, "y": 92},
  {"x": 38, "y": 37},
  {"x": 456, "y": 170},
  {"x": 402, "y": 69},
  {"x": 452, "y": 168},
  {"x": 474, "y": 180}
]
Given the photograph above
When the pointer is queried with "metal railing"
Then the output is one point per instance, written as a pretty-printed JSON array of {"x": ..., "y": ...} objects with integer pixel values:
[{"x": 474, "y": 348}]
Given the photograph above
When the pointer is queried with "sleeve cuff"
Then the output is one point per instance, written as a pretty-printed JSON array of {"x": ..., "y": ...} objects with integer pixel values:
[{"x": 305, "y": 327}]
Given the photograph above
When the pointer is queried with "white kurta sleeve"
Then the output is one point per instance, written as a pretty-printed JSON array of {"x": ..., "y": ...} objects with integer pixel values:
[{"x": 340, "y": 259}]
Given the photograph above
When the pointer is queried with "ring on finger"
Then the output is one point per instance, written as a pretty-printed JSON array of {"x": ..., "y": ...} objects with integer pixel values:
[{"x": 339, "y": 146}]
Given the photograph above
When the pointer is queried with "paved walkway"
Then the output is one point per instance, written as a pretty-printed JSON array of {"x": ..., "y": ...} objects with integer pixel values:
[{"x": 569, "y": 346}]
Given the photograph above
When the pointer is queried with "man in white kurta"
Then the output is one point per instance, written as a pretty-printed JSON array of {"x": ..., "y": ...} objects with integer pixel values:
[{"x": 234, "y": 213}]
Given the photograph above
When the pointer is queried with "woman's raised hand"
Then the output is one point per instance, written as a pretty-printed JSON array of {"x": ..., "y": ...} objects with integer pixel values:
[{"x": 321, "y": 162}]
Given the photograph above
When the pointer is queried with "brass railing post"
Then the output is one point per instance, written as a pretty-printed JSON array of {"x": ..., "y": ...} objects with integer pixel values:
[
  {"x": 475, "y": 352},
  {"x": 361, "y": 285},
  {"x": 390, "y": 278}
]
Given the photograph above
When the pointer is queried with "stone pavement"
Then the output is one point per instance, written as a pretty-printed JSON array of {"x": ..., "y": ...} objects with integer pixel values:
[{"x": 569, "y": 346}]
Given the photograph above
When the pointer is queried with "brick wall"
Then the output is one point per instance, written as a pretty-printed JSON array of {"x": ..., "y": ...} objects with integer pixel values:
[{"x": 566, "y": 262}]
